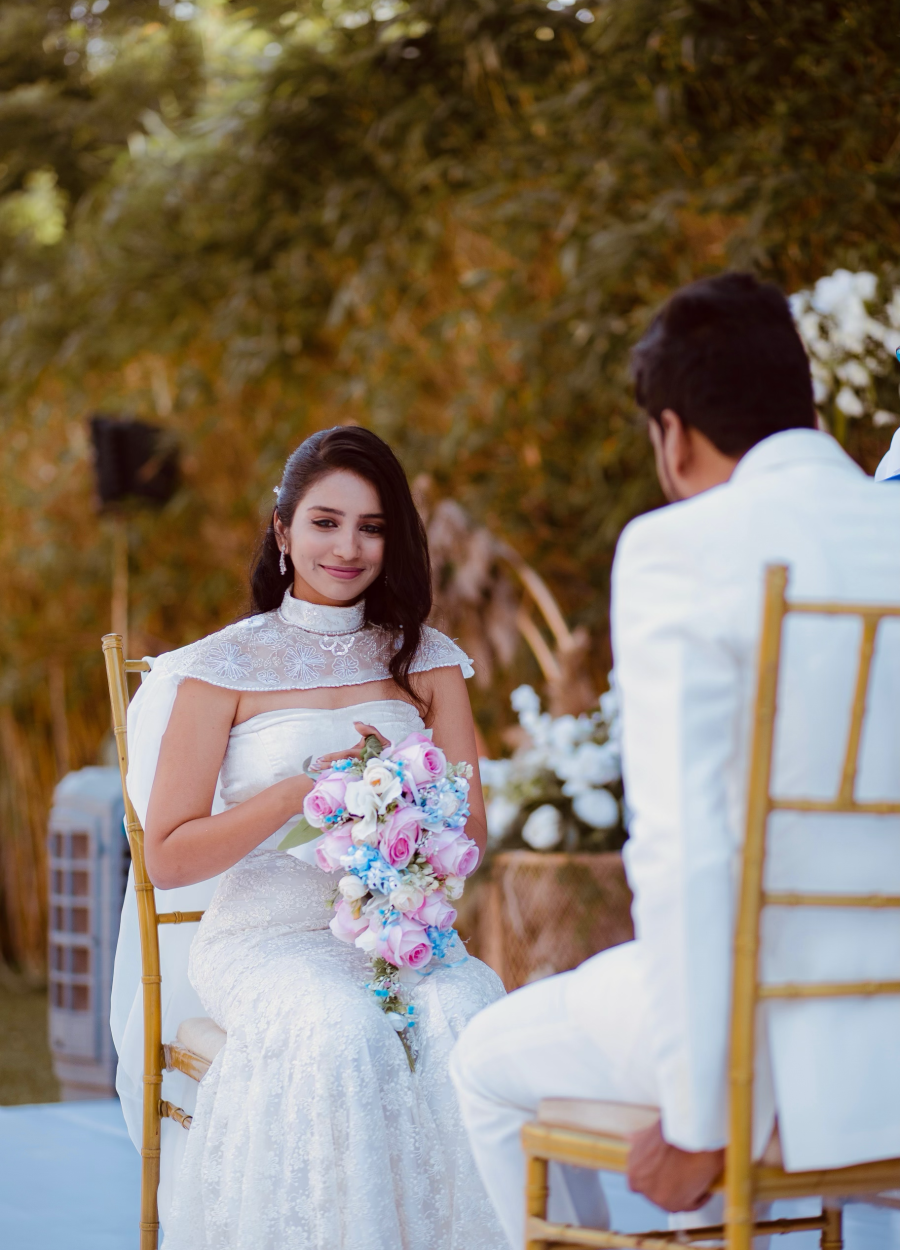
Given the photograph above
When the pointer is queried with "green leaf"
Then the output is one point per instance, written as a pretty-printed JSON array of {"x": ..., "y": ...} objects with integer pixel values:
[
  {"x": 371, "y": 749},
  {"x": 301, "y": 833}
]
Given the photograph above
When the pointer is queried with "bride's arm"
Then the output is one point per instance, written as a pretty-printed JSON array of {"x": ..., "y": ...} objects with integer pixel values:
[
  {"x": 450, "y": 717},
  {"x": 183, "y": 843}
]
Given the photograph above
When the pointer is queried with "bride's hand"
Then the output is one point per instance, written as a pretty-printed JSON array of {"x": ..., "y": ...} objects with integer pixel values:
[{"x": 352, "y": 753}]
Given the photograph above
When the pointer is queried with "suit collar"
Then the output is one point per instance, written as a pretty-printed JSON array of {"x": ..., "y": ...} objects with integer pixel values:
[{"x": 789, "y": 448}]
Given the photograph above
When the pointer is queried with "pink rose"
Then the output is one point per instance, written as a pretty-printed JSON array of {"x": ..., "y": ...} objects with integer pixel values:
[
  {"x": 344, "y": 925},
  {"x": 436, "y": 912},
  {"x": 332, "y": 847},
  {"x": 451, "y": 853},
  {"x": 424, "y": 761},
  {"x": 400, "y": 836},
  {"x": 404, "y": 943},
  {"x": 324, "y": 799}
]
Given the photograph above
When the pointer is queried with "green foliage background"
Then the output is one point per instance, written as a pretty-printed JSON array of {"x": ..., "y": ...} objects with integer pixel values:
[{"x": 249, "y": 221}]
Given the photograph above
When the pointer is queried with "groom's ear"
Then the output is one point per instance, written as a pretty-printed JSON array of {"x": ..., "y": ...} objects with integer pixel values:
[{"x": 672, "y": 450}]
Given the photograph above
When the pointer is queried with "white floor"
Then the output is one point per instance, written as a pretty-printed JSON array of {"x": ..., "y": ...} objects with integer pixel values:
[{"x": 69, "y": 1180}]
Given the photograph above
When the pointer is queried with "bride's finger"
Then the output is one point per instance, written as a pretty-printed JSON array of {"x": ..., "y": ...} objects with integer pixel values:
[{"x": 370, "y": 731}]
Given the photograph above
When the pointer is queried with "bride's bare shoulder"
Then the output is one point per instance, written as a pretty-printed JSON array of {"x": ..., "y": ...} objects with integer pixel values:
[{"x": 199, "y": 700}]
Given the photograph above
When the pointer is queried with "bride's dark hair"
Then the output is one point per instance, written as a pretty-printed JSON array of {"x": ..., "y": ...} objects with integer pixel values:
[{"x": 400, "y": 597}]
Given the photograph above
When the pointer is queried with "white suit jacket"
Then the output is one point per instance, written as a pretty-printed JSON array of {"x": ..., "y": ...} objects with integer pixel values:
[{"x": 687, "y": 594}]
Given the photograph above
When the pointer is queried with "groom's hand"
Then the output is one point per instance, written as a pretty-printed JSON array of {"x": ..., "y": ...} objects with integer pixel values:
[{"x": 676, "y": 1180}]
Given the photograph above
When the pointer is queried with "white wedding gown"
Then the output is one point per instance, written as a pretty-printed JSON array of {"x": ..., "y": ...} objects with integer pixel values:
[{"x": 310, "y": 1132}]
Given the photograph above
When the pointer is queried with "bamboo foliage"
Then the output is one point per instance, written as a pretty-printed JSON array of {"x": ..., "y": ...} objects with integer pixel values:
[
  {"x": 23, "y": 859},
  {"x": 35, "y": 750},
  {"x": 262, "y": 220}
]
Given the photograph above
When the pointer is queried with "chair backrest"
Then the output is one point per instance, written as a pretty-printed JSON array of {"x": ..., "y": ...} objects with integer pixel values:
[
  {"x": 748, "y": 990},
  {"x": 154, "y": 1108},
  {"x": 117, "y": 668}
]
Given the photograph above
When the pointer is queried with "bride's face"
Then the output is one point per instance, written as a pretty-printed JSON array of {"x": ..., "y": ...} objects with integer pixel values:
[{"x": 335, "y": 540}]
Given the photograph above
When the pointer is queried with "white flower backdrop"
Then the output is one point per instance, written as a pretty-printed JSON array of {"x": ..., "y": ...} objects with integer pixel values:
[
  {"x": 561, "y": 789},
  {"x": 850, "y": 326}
]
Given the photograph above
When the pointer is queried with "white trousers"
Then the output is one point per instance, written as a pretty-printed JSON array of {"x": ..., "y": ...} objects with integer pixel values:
[{"x": 582, "y": 1034}]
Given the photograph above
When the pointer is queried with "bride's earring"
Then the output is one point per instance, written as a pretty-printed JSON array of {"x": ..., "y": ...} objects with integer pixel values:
[{"x": 282, "y": 563}]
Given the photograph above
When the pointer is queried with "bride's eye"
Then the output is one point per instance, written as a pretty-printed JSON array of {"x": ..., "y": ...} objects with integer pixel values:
[
  {"x": 372, "y": 529},
  {"x": 324, "y": 523}
]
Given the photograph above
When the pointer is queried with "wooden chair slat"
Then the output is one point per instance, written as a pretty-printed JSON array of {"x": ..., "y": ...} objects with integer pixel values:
[{"x": 179, "y": 1059}]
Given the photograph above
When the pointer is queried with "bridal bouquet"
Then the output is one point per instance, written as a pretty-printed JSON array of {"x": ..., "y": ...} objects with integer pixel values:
[{"x": 394, "y": 824}]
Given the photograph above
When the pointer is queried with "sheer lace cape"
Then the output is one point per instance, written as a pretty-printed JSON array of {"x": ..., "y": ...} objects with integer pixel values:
[
  {"x": 302, "y": 646},
  {"x": 297, "y": 646}
]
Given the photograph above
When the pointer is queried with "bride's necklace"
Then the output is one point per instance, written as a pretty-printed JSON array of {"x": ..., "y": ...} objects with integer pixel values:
[{"x": 336, "y": 629}]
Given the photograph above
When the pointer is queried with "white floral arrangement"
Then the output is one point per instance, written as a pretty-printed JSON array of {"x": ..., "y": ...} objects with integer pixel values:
[
  {"x": 851, "y": 333},
  {"x": 562, "y": 788}
]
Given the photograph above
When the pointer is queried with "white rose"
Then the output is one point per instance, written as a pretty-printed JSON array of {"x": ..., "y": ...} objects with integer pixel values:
[
  {"x": 501, "y": 812},
  {"x": 543, "y": 828},
  {"x": 453, "y": 887},
  {"x": 592, "y": 763},
  {"x": 407, "y": 897},
  {"x": 362, "y": 801},
  {"x": 383, "y": 782},
  {"x": 494, "y": 773},
  {"x": 352, "y": 888},
  {"x": 524, "y": 699},
  {"x": 597, "y": 808},
  {"x": 449, "y": 804},
  {"x": 366, "y": 941}
]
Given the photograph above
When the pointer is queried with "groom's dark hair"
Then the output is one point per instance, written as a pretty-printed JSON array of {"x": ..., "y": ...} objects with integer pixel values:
[{"x": 725, "y": 355}]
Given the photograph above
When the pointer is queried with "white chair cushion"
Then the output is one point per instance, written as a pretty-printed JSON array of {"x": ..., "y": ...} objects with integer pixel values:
[
  {"x": 620, "y": 1119},
  {"x": 202, "y": 1036}
]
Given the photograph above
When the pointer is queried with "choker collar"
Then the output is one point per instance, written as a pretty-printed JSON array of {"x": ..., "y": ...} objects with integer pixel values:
[{"x": 317, "y": 619}]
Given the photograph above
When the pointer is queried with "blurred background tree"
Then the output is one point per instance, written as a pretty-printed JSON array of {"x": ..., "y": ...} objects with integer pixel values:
[{"x": 445, "y": 219}]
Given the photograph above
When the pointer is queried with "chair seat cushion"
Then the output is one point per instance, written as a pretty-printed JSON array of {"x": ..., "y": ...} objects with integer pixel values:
[
  {"x": 620, "y": 1120},
  {"x": 585, "y": 1115},
  {"x": 202, "y": 1036}
]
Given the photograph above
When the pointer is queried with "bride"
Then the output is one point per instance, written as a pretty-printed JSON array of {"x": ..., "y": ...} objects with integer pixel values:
[{"x": 310, "y": 1132}]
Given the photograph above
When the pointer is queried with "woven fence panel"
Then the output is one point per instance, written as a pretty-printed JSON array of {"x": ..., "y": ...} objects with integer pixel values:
[{"x": 544, "y": 913}]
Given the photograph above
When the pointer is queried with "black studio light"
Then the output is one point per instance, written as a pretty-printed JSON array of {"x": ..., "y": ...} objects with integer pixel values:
[{"x": 134, "y": 461}]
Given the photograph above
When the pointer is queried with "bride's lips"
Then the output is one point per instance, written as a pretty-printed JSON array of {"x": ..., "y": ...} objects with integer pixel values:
[{"x": 346, "y": 575}]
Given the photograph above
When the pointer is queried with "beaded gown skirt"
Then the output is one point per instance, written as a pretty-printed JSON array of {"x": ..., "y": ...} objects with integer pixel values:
[{"x": 310, "y": 1131}]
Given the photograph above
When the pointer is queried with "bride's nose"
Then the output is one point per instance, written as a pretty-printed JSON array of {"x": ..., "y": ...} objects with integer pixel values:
[{"x": 346, "y": 543}]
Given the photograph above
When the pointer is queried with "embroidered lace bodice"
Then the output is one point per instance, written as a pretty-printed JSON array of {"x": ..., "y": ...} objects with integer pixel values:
[{"x": 299, "y": 646}]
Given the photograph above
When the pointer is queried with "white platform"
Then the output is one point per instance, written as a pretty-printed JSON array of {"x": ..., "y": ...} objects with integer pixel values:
[{"x": 70, "y": 1180}]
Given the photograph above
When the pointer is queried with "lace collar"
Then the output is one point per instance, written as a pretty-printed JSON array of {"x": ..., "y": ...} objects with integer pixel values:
[
  {"x": 316, "y": 619},
  {"x": 302, "y": 646}
]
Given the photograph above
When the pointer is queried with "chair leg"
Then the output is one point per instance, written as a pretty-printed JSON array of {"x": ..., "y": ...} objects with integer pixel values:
[
  {"x": 535, "y": 1196},
  {"x": 832, "y": 1233},
  {"x": 150, "y": 1160}
]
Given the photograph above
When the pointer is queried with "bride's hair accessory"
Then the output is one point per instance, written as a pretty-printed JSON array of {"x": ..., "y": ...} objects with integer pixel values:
[
  {"x": 395, "y": 823},
  {"x": 282, "y": 563},
  {"x": 400, "y": 600}
]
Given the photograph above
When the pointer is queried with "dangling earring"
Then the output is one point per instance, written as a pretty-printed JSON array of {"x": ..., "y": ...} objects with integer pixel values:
[{"x": 282, "y": 563}]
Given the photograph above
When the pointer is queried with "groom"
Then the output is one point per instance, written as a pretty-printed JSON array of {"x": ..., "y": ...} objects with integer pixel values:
[{"x": 725, "y": 380}]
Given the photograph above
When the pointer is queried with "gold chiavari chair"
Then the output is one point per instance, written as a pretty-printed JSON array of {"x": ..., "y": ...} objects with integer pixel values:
[
  {"x": 595, "y": 1135},
  {"x": 197, "y": 1041}
]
